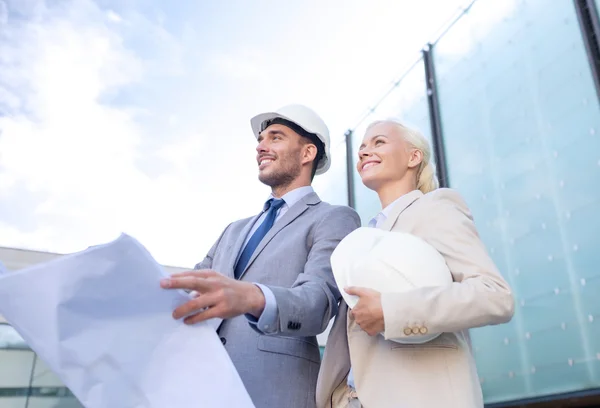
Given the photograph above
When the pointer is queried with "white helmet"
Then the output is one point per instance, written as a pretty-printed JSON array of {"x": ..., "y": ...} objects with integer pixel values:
[{"x": 304, "y": 117}]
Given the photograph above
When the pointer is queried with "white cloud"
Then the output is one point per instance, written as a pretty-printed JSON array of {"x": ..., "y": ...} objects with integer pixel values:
[
  {"x": 66, "y": 143},
  {"x": 114, "y": 17},
  {"x": 241, "y": 64}
]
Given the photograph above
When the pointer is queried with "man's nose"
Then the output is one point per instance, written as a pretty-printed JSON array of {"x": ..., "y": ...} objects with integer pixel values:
[{"x": 261, "y": 147}]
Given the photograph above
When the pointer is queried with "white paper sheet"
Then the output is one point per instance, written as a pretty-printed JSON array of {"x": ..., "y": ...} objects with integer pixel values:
[{"x": 103, "y": 324}]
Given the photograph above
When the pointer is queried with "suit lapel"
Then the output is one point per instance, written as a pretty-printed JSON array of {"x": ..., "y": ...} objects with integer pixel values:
[
  {"x": 292, "y": 213},
  {"x": 399, "y": 207},
  {"x": 237, "y": 246}
]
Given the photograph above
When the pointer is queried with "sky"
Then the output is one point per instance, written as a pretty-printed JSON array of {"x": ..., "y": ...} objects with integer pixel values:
[{"x": 133, "y": 116}]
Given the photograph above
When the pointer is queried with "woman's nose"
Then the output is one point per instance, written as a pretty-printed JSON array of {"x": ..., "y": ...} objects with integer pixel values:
[{"x": 364, "y": 153}]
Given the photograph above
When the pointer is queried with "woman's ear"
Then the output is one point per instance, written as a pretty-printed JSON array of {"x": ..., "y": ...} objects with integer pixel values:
[{"x": 415, "y": 158}]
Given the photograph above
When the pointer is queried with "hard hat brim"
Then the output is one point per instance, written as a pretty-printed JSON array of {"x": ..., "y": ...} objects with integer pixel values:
[{"x": 257, "y": 121}]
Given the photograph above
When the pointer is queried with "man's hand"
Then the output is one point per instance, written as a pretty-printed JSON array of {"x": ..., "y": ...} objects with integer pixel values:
[
  {"x": 368, "y": 312},
  {"x": 216, "y": 296}
]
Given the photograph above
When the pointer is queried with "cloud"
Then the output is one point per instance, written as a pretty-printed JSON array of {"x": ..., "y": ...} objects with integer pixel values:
[
  {"x": 241, "y": 64},
  {"x": 114, "y": 17},
  {"x": 57, "y": 138},
  {"x": 67, "y": 159}
]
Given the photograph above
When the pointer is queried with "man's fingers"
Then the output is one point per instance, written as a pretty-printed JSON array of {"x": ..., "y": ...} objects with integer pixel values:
[
  {"x": 196, "y": 283},
  {"x": 195, "y": 305},
  {"x": 202, "y": 273},
  {"x": 202, "y": 316}
]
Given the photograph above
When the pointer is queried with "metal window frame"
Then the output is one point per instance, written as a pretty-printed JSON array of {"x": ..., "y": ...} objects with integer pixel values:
[
  {"x": 589, "y": 24},
  {"x": 350, "y": 169},
  {"x": 579, "y": 399},
  {"x": 435, "y": 119}
]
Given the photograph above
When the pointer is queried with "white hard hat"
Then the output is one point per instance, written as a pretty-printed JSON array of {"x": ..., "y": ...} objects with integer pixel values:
[
  {"x": 304, "y": 117},
  {"x": 388, "y": 261}
]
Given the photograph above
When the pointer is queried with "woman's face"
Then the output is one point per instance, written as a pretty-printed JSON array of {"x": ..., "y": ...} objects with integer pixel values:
[{"x": 384, "y": 156}]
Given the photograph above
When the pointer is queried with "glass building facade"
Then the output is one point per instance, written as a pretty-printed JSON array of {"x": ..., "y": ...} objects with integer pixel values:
[
  {"x": 508, "y": 95},
  {"x": 25, "y": 381}
]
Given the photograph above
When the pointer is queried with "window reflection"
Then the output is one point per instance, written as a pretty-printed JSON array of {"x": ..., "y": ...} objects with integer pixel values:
[{"x": 25, "y": 380}]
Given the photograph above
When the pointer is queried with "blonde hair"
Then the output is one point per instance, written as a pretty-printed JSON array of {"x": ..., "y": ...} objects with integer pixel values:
[{"x": 427, "y": 180}]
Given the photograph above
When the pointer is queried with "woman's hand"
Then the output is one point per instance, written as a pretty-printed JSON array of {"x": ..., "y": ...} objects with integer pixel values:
[{"x": 368, "y": 312}]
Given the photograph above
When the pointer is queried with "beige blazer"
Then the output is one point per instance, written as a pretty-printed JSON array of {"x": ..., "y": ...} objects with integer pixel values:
[{"x": 442, "y": 372}]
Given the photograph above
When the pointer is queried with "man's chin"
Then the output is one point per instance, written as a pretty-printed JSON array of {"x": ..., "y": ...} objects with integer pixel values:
[
  {"x": 273, "y": 180},
  {"x": 265, "y": 178}
]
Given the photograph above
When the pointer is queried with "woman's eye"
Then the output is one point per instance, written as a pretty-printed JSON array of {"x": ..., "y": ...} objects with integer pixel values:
[{"x": 378, "y": 142}]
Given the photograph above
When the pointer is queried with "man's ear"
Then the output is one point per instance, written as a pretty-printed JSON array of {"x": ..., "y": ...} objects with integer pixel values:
[
  {"x": 309, "y": 153},
  {"x": 415, "y": 158}
]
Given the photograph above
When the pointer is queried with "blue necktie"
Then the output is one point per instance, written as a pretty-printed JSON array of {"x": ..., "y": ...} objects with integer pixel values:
[{"x": 273, "y": 205}]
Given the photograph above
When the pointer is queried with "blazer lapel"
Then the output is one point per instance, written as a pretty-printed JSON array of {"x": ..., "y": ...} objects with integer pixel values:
[
  {"x": 236, "y": 249},
  {"x": 399, "y": 207},
  {"x": 292, "y": 213}
]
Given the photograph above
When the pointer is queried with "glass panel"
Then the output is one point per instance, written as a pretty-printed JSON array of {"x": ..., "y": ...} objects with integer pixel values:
[
  {"x": 407, "y": 102},
  {"x": 15, "y": 368},
  {"x": 53, "y": 402},
  {"x": 43, "y": 377},
  {"x": 521, "y": 123},
  {"x": 13, "y": 402},
  {"x": 20, "y": 368}
]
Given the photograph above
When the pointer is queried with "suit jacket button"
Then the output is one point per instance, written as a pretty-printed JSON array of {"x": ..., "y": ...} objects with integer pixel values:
[
  {"x": 407, "y": 331},
  {"x": 423, "y": 330},
  {"x": 223, "y": 340}
]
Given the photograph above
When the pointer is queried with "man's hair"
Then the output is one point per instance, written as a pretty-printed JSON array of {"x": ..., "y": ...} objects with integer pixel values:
[{"x": 307, "y": 137}]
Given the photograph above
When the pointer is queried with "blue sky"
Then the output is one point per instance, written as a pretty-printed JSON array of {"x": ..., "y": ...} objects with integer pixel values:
[{"x": 133, "y": 116}]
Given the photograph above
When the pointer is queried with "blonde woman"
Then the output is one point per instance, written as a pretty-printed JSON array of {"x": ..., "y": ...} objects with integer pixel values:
[{"x": 361, "y": 367}]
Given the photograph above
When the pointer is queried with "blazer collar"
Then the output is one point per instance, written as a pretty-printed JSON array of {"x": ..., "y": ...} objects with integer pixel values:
[
  {"x": 292, "y": 213},
  {"x": 398, "y": 206}
]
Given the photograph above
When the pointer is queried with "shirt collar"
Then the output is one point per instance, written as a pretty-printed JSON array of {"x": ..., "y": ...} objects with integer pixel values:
[
  {"x": 292, "y": 197},
  {"x": 384, "y": 214}
]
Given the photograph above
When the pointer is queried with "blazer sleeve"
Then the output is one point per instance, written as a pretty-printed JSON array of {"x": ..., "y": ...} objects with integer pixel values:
[
  {"x": 479, "y": 296},
  {"x": 206, "y": 263},
  {"x": 306, "y": 308}
]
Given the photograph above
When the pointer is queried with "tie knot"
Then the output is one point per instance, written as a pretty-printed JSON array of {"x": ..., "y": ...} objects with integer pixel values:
[{"x": 275, "y": 204}]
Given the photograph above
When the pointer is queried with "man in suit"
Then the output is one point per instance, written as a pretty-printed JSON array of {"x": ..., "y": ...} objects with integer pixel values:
[{"x": 269, "y": 276}]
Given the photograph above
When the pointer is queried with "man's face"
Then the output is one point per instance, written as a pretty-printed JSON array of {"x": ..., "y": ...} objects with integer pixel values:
[{"x": 279, "y": 156}]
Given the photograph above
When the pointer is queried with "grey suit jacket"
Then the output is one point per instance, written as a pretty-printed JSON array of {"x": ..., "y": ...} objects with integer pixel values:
[{"x": 281, "y": 369}]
